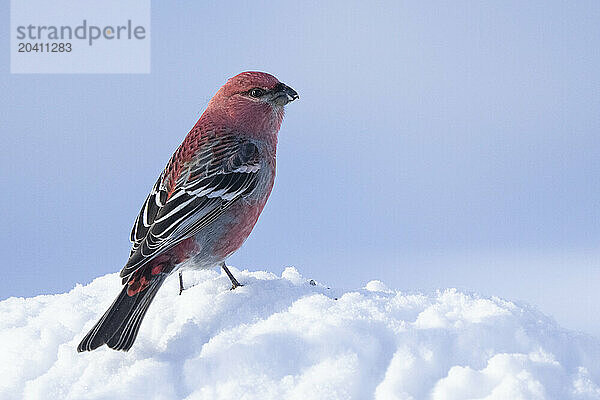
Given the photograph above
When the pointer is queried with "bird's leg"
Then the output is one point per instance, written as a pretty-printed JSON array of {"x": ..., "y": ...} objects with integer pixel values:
[
  {"x": 234, "y": 282},
  {"x": 180, "y": 282}
]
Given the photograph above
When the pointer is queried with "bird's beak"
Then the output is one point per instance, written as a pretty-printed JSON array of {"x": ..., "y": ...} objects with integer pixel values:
[{"x": 283, "y": 94}]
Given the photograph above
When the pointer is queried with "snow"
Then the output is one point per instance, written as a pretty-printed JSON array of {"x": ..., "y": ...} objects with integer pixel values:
[{"x": 289, "y": 338}]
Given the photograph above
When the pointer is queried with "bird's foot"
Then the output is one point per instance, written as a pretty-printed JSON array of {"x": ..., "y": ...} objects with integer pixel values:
[
  {"x": 234, "y": 282},
  {"x": 181, "y": 289}
]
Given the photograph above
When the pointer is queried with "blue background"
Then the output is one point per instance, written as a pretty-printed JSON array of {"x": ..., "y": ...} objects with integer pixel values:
[{"x": 434, "y": 145}]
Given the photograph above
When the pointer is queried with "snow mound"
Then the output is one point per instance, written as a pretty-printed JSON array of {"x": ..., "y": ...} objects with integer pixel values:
[{"x": 292, "y": 338}]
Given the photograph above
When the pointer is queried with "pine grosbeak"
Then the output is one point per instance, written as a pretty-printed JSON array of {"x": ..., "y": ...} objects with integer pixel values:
[{"x": 205, "y": 202}]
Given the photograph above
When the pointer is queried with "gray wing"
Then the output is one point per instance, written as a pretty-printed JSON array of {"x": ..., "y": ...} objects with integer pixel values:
[{"x": 224, "y": 170}]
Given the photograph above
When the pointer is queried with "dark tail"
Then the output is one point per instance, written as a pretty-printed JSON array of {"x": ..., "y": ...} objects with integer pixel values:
[{"x": 120, "y": 324}]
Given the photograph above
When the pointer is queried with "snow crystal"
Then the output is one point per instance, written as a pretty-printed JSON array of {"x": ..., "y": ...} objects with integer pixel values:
[{"x": 289, "y": 338}]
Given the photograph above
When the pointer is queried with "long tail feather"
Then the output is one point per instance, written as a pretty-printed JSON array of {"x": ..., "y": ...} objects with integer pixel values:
[{"x": 120, "y": 324}]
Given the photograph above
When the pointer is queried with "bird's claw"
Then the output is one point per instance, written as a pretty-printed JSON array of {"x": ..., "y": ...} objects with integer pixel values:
[{"x": 234, "y": 282}]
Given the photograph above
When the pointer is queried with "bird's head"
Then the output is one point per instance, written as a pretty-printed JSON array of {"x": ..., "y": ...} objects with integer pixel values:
[{"x": 254, "y": 99}]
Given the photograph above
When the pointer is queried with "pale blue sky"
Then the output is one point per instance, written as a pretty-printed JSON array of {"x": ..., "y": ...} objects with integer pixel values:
[{"x": 434, "y": 145}]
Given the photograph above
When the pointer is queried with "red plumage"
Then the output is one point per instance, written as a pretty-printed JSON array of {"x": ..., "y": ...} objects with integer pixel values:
[{"x": 205, "y": 202}]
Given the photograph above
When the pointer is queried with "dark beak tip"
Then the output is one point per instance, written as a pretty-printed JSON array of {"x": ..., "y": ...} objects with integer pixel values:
[
  {"x": 291, "y": 93},
  {"x": 283, "y": 94}
]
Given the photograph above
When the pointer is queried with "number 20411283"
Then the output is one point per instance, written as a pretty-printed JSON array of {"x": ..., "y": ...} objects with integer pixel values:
[{"x": 44, "y": 47}]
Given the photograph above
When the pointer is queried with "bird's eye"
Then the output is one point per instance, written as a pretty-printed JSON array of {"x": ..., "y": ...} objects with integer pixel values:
[{"x": 257, "y": 92}]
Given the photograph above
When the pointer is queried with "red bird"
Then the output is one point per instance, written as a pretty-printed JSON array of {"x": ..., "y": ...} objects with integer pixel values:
[{"x": 205, "y": 202}]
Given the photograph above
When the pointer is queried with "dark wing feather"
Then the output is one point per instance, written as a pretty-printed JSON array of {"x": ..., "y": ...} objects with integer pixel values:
[
  {"x": 223, "y": 170},
  {"x": 154, "y": 202}
]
